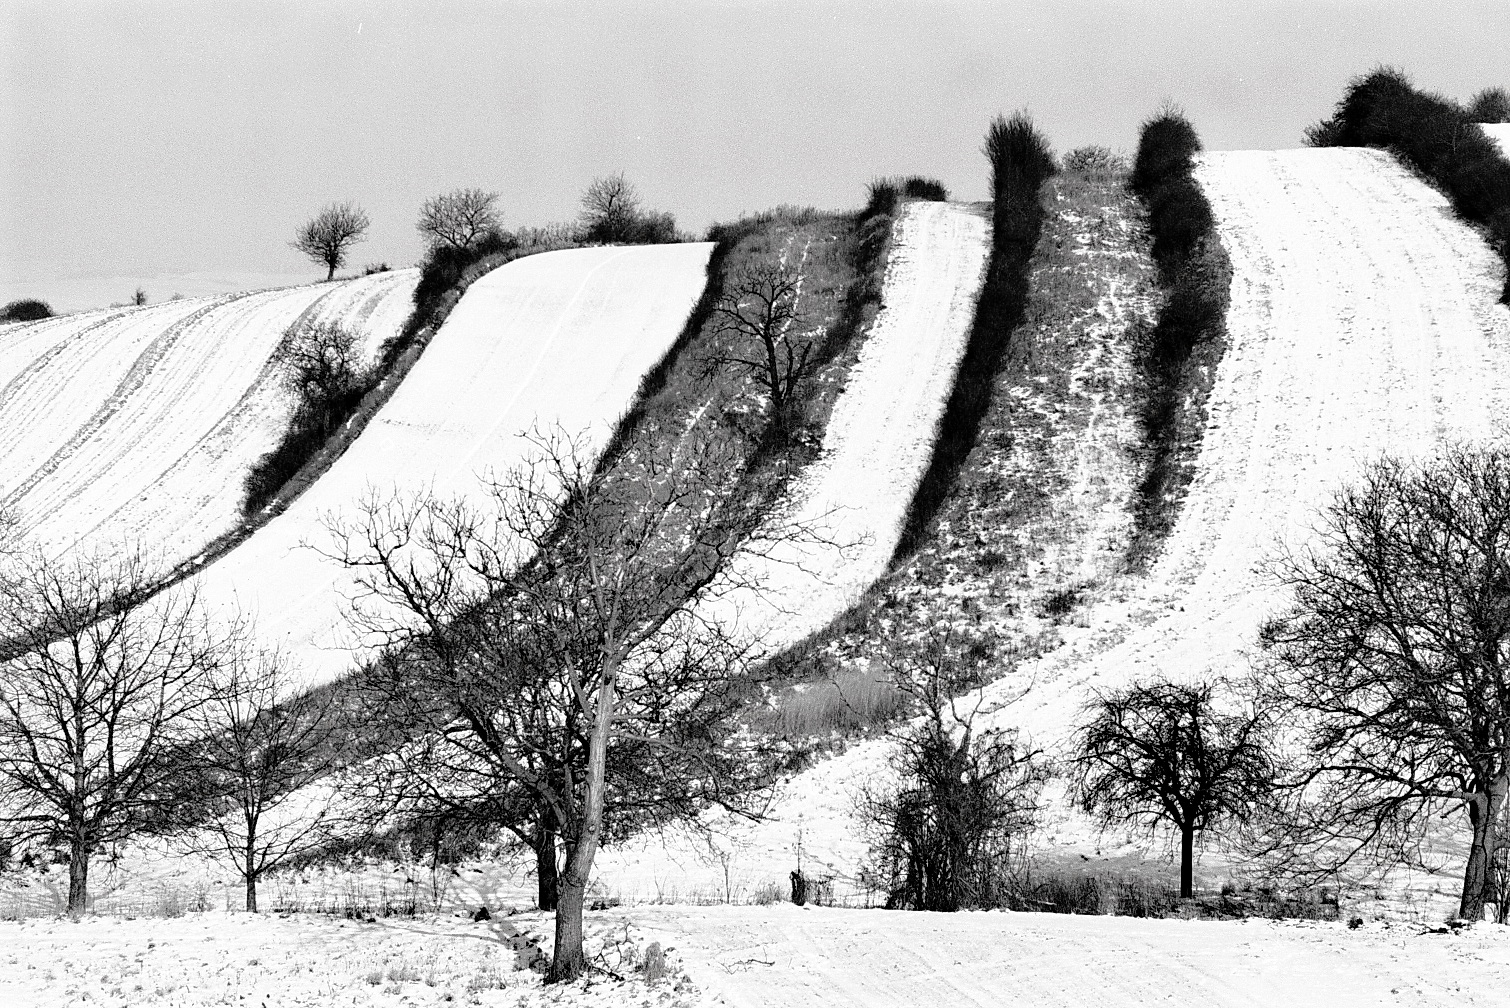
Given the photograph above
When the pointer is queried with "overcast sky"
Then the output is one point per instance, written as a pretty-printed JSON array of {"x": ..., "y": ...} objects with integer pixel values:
[{"x": 178, "y": 145}]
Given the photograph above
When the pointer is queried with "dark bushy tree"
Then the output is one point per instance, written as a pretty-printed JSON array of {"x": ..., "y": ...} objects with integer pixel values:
[
  {"x": 25, "y": 310},
  {"x": 1166, "y": 753},
  {"x": 1391, "y": 666},
  {"x": 1491, "y": 105}
]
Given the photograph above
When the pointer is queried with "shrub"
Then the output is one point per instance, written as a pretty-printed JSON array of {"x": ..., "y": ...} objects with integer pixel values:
[
  {"x": 1491, "y": 105},
  {"x": 25, "y": 310},
  {"x": 1435, "y": 136},
  {"x": 372, "y": 268},
  {"x": 881, "y": 198},
  {"x": 1021, "y": 161},
  {"x": 918, "y": 187},
  {"x": 1095, "y": 161}
]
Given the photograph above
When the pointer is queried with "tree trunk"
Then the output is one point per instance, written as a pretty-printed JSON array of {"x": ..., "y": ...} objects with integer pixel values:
[
  {"x": 78, "y": 877},
  {"x": 1187, "y": 862},
  {"x": 547, "y": 872},
  {"x": 1478, "y": 873},
  {"x": 250, "y": 873},
  {"x": 330, "y": 274},
  {"x": 568, "y": 961}
]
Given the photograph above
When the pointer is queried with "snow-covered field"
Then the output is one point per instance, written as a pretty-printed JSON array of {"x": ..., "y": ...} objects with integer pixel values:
[
  {"x": 1501, "y": 134},
  {"x": 880, "y": 437},
  {"x": 556, "y": 339},
  {"x": 1363, "y": 319},
  {"x": 139, "y": 424}
]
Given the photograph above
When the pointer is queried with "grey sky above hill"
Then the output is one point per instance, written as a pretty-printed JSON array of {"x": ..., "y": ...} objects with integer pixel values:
[{"x": 178, "y": 145}]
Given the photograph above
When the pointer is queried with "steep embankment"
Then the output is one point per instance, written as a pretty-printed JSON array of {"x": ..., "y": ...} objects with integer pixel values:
[
  {"x": 138, "y": 424},
  {"x": 1363, "y": 318},
  {"x": 557, "y": 339},
  {"x": 879, "y": 438}
]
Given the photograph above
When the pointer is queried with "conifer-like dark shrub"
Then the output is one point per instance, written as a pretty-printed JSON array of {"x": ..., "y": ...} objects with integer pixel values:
[
  {"x": 918, "y": 187},
  {"x": 25, "y": 310}
]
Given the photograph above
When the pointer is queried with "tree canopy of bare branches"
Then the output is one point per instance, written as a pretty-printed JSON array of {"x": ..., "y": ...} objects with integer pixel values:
[
  {"x": 610, "y": 209},
  {"x": 760, "y": 314},
  {"x": 1390, "y": 665},
  {"x": 1165, "y": 752},
  {"x": 99, "y": 689},
  {"x": 555, "y": 641},
  {"x": 458, "y": 218},
  {"x": 328, "y": 236}
]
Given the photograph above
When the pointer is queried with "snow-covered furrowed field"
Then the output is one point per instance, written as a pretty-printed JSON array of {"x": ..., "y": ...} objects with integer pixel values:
[
  {"x": 558, "y": 340},
  {"x": 139, "y": 424}
]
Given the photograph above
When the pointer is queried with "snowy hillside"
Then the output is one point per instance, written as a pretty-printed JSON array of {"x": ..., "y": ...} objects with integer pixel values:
[
  {"x": 140, "y": 423},
  {"x": 1501, "y": 134},
  {"x": 880, "y": 437},
  {"x": 1363, "y": 319},
  {"x": 560, "y": 338}
]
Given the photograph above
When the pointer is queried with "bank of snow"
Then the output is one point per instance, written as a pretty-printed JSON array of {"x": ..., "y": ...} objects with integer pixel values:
[
  {"x": 139, "y": 424},
  {"x": 1500, "y": 133}
]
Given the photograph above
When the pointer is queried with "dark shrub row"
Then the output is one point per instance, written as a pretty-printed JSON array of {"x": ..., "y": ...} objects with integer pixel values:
[
  {"x": 1021, "y": 161},
  {"x": 25, "y": 310},
  {"x": 1179, "y": 354},
  {"x": 1437, "y": 137}
]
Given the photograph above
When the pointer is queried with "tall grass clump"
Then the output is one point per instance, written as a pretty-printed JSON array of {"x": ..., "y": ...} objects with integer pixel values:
[
  {"x": 1021, "y": 161},
  {"x": 1435, "y": 136},
  {"x": 1178, "y": 357}
]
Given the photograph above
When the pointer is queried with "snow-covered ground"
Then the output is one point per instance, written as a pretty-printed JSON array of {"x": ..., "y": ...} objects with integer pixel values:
[
  {"x": 783, "y": 956},
  {"x": 1363, "y": 319},
  {"x": 880, "y": 436},
  {"x": 139, "y": 424},
  {"x": 1501, "y": 134},
  {"x": 556, "y": 339}
]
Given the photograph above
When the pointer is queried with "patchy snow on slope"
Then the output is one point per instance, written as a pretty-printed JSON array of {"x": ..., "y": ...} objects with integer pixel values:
[
  {"x": 783, "y": 956},
  {"x": 880, "y": 437},
  {"x": 139, "y": 424},
  {"x": 559, "y": 339}
]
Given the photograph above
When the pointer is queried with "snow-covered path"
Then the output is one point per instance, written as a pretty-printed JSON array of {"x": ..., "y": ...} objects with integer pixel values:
[
  {"x": 881, "y": 434},
  {"x": 783, "y": 956},
  {"x": 560, "y": 338},
  {"x": 139, "y": 424}
]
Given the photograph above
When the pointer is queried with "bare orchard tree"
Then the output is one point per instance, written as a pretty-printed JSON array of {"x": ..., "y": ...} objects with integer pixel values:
[
  {"x": 1168, "y": 754},
  {"x": 100, "y": 689},
  {"x": 330, "y": 234},
  {"x": 259, "y": 770},
  {"x": 967, "y": 794},
  {"x": 622, "y": 710},
  {"x": 610, "y": 209},
  {"x": 760, "y": 316},
  {"x": 458, "y": 218},
  {"x": 1390, "y": 669}
]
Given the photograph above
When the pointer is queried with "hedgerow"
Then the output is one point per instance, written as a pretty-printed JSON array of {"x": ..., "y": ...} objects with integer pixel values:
[
  {"x": 1179, "y": 356},
  {"x": 25, "y": 310},
  {"x": 1438, "y": 138}
]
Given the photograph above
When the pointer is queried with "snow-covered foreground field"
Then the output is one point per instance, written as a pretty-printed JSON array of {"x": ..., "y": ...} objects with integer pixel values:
[
  {"x": 556, "y": 339},
  {"x": 139, "y": 424},
  {"x": 881, "y": 434},
  {"x": 1363, "y": 319},
  {"x": 789, "y": 957}
]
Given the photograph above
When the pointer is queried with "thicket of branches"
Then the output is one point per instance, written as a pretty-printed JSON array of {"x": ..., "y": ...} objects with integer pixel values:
[
  {"x": 613, "y": 214},
  {"x": 25, "y": 310}
]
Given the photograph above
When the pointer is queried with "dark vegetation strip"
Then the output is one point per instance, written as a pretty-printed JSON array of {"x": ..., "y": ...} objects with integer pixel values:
[
  {"x": 1180, "y": 354},
  {"x": 1436, "y": 136},
  {"x": 1021, "y": 161}
]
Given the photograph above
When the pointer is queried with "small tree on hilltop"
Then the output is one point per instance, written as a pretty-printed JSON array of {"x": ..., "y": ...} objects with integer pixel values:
[
  {"x": 1390, "y": 669},
  {"x": 140, "y": 297},
  {"x": 458, "y": 218},
  {"x": 329, "y": 236},
  {"x": 1166, "y": 753},
  {"x": 611, "y": 210}
]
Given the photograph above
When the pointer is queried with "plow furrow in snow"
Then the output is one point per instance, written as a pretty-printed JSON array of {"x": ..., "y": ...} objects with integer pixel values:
[
  {"x": 1363, "y": 319},
  {"x": 559, "y": 339},
  {"x": 138, "y": 425},
  {"x": 880, "y": 437}
]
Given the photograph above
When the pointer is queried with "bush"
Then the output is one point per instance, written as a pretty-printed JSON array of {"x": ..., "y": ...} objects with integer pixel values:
[
  {"x": 1021, "y": 161},
  {"x": 1491, "y": 105},
  {"x": 1435, "y": 136},
  {"x": 1095, "y": 161},
  {"x": 1179, "y": 354},
  {"x": 25, "y": 310}
]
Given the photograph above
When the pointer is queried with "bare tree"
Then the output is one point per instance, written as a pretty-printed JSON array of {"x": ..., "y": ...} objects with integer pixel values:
[
  {"x": 140, "y": 297},
  {"x": 330, "y": 234},
  {"x": 610, "y": 209},
  {"x": 259, "y": 770},
  {"x": 621, "y": 712},
  {"x": 943, "y": 838},
  {"x": 99, "y": 692},
  {"x": 321, "y": 362},
  {"x": 1166, "y": 753},
  {"x": 1390, "y": 666},
  {"x": 761, "y": 314},
  {"x": 458, "y": 218}
]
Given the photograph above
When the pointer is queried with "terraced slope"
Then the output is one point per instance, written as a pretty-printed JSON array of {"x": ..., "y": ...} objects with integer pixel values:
[
  {"x": 140, "y": 423},
  {"x": 1363, "y": 318},
  {"x": 560, "y": 338}
]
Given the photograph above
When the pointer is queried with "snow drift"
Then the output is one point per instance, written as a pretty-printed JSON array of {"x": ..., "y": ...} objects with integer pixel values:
[
  {"x": 139, "y": 424},
  {"x": 559, "y": 339}
]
